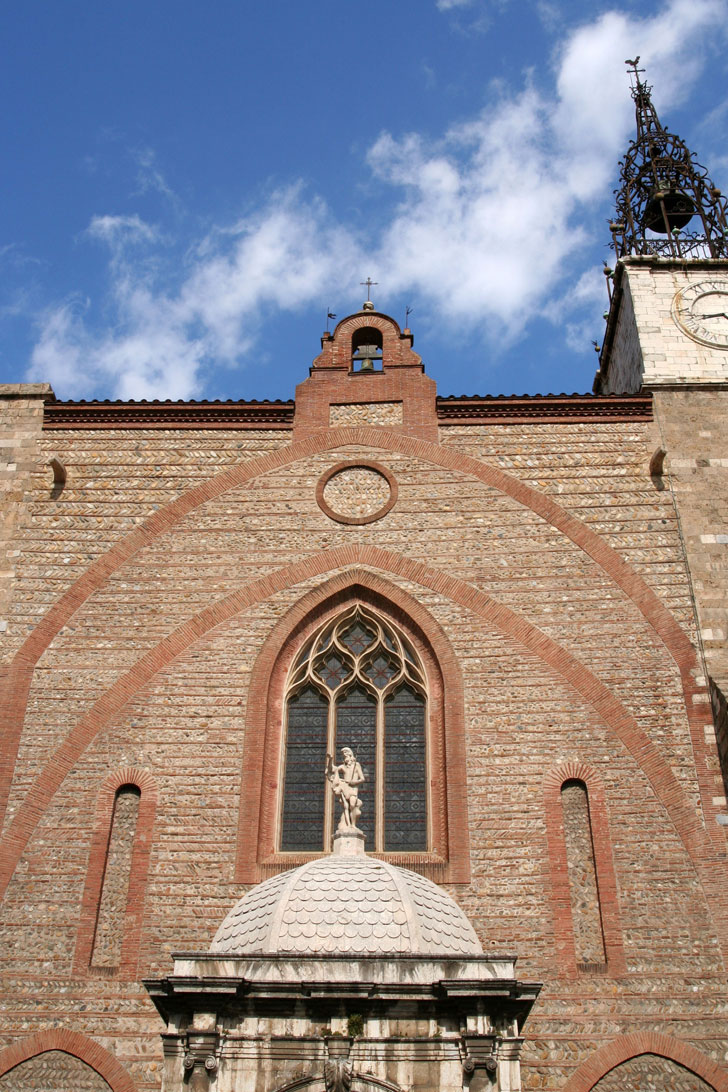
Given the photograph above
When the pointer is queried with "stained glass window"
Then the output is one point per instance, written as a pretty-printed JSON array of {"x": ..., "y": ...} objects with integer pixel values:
[
  {"x": 358, "y": 637},
  {"x": 303, "y": 794},
  {"x": 359, "y": 684},
  {"x": 356, "y": 727},
  {"x": 405, "y": 781}
]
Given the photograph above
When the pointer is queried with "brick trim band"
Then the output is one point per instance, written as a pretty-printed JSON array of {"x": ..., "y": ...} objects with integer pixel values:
[
  {"x": 69, "y": 1042},
  {"x": 564, "y": 952},
  {"x": 645, "y": 1042}
]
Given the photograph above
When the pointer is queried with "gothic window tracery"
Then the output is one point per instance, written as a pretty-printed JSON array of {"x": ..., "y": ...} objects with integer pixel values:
[{"x": 360, "y": 684}]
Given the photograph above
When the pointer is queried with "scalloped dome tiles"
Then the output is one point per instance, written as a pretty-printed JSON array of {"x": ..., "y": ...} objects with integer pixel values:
[{"x": 348, "y": 905}]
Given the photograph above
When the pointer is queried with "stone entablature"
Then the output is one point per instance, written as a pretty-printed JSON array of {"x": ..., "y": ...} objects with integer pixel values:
[{"x": 401, "y": 1022}]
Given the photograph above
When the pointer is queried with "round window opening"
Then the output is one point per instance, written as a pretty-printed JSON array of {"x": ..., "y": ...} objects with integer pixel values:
[{"x": 356, "y": 493}]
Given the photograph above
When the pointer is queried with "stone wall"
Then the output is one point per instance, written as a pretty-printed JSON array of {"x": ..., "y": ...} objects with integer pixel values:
[
  {"x": 650, "y": 1073},
  {"x": 692, "y": 428},
  {"x": 21, "y": 420},
  {"x": 645, "y": 344},
  {"x": 53, "y": 1071}
]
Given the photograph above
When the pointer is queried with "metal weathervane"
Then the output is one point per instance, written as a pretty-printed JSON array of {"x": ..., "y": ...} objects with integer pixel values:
[{"x": 666, "y": 203}]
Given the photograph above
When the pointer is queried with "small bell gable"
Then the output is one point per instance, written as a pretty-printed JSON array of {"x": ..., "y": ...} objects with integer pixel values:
[
  {"x": 367, "y": 373},
  {"x": 368, "y": 341}
]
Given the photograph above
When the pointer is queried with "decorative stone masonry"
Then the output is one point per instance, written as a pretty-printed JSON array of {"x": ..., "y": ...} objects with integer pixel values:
[
  {"x": 53, "y": 1071},
  {"x": 356, "y": 492},
  {"x": 351, "y": 414}
]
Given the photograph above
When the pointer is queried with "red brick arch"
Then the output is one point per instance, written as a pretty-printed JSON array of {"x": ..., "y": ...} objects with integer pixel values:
[
  {"x": 625, "y": 1047},
  {"x": 700, "y": 847},
  {"x": 69, "y": 1042},
  {"x": 19, "y": 675}
]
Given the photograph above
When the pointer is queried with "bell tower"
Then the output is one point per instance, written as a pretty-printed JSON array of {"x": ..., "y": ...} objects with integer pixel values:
[
  {"x": 668, "y": 318},
  {"x": 667, "y": 333}
]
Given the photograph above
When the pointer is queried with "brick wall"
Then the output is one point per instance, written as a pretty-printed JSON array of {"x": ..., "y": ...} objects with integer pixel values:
[{"x": 554, "y": 569}]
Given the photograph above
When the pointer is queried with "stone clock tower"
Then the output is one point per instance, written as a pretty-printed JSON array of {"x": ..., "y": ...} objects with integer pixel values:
[{"x": 667, "y": 333}]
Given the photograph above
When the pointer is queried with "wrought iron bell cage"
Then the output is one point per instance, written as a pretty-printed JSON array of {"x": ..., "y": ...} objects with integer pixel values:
[{"x": 666, "y": 204}]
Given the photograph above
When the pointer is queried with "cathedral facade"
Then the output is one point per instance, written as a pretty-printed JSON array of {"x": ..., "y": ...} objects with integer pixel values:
[{"x": 511, "y": 611}]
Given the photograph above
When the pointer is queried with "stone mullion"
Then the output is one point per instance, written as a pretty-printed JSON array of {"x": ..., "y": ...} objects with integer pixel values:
[
  {"x": 379, "y": 790},
  {"x": 328, "y": 796}
]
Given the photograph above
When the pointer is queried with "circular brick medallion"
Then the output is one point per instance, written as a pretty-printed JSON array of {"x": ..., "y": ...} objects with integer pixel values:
[{"x": 356, "y": 492}]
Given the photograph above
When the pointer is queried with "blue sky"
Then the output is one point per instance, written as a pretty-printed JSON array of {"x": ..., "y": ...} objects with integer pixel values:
[{"x": 189, "y": 187}]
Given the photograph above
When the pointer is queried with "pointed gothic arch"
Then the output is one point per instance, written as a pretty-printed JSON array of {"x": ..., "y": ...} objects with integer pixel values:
[
  {"x": 624, "y": 1047},
  {"x": 78, "y": 1046},
  {"x": 446, "y": 857}
]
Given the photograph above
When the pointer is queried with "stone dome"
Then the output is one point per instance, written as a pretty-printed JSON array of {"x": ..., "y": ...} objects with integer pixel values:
[{"x": 347, "y": 906}]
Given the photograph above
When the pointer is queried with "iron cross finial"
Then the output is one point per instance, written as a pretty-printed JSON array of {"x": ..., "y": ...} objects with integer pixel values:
[{"x": 368, "y": 284}]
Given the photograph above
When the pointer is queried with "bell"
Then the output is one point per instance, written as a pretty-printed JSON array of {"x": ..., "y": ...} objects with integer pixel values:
[
  {"x": 678, "y": 211},
  {"x": 365, "y": 356}
]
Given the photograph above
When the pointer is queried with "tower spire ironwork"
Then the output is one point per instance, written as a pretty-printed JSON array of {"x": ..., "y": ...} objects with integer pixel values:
[{"x": 666, "y": 203}]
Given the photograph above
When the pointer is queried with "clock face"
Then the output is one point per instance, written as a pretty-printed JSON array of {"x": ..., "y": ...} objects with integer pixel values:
[{"x": 701, "y": 310}]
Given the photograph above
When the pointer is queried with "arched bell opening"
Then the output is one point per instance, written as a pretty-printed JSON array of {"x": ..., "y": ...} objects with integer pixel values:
[{"x": 366, "y": 350}]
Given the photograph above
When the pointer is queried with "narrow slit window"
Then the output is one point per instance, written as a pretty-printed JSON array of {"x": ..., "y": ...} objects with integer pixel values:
[
  {"x": 109, "y": 932},
  {"x": 583, "y": 882},
  {"x": 359, "y": 684}
]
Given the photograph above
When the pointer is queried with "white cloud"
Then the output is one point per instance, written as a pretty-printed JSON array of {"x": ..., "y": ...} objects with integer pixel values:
[
  {"x": 492, "y": 213},
  {"x": 111, "y": 229},
  {"x": 491, "y": 219},
  {"x": 162, "y": 341},
  {"x": 445, "y": 5}
]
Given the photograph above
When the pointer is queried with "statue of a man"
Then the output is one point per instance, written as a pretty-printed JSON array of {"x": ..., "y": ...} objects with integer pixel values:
[{"x": 345, "y": 780}]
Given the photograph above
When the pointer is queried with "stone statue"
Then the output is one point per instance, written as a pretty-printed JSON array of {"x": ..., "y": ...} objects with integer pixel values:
[{"x": 345, "y": 781}]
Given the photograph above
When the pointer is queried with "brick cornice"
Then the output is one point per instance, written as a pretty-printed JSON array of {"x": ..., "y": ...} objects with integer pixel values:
[
  {"x": 466, "y": 409},
  {"x": 625, "y": 1047},
  {"x": 170, "y": 415},
  {"x": 539, "y": 409},
  {"x": 69, "y": 1042}
]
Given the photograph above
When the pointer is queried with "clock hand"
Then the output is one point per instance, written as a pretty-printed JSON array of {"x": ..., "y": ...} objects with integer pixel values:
[{"x": 715, "y": 314}]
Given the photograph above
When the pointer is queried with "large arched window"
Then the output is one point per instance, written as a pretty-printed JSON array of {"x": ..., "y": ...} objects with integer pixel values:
[{"x": 357, "y": 683}]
